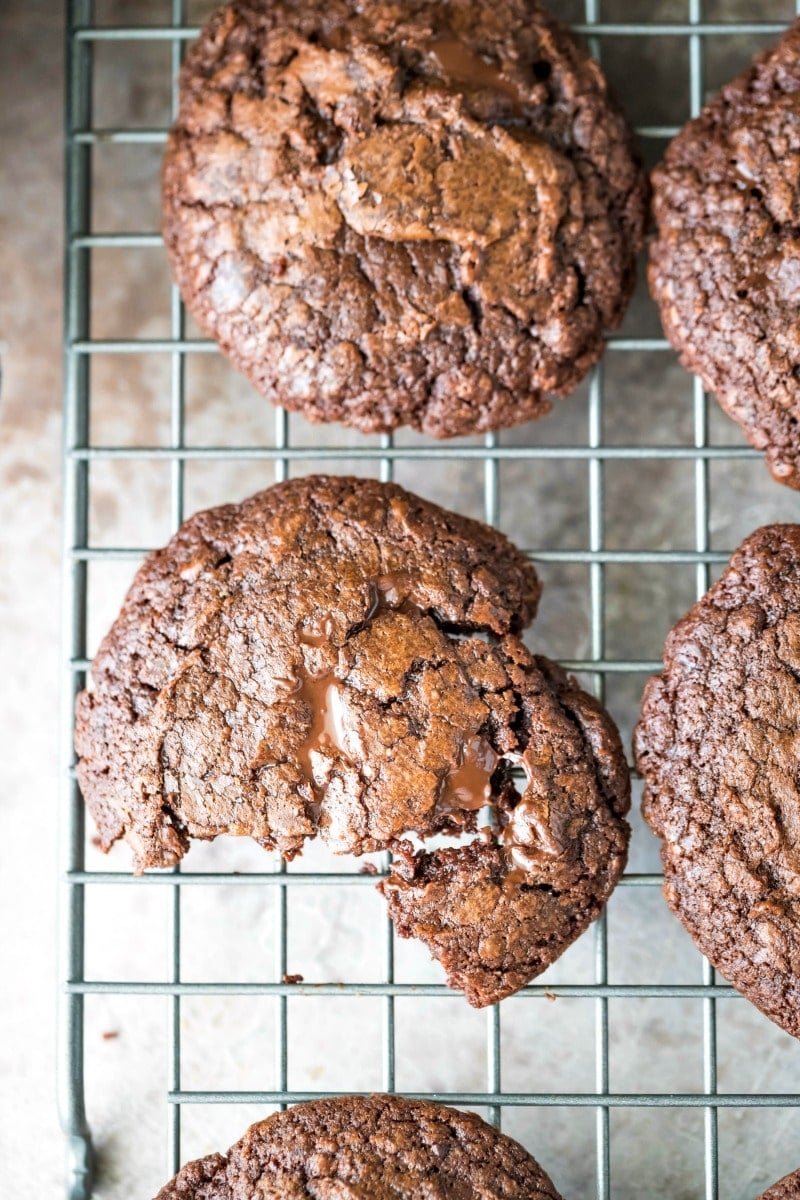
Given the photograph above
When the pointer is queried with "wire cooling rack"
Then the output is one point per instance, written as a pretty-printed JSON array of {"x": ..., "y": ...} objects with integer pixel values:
[{"x": 82, "y": 457}]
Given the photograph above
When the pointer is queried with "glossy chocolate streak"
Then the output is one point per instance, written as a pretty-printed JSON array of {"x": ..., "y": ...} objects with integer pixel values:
[
  {"x": 318, "y": 633},
  {"x": 461, "y": 64},
  {"x": 468, "y": 787},
  {"x": 323, "y": 695},
  {"x": 390, "y": 593},
  {"x": 528, "y": 839}
]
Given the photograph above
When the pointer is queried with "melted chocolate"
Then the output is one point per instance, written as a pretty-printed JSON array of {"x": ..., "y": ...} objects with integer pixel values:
[
  {"x": 323, "y": 695},
  {"x": 461, "y": 64},
  {"x": 742, "y": 172},
  {"x": 527, "y": 839},
  {"x": 468, "y": 787},
  {"x": 515, "y": 877},
  {"x": 317, "y": 633},
  {"x": 391, "y": 594}
]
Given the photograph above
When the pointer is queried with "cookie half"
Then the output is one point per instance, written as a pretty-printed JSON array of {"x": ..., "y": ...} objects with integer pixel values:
[
  {"x": 370, "y": 1146},
  {"x": 718, "y": 744},
  {"x": 337, "y": 658},
  {"x": 725, "y": 265},
  {"x": 422, "y": 214},
  {"x": 787, "y": 1188}
]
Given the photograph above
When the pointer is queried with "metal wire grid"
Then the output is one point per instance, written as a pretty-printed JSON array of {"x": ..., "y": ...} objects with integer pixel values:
[{"x": 79, "y": 454}]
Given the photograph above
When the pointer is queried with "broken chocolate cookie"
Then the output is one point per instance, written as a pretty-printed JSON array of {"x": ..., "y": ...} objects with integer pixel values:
[{"x": 337, "y": 658}]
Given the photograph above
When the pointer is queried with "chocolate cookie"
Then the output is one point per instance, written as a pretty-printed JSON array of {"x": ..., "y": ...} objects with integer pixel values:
[
  {"x": 417, "y": 213},
  {"x": 719, "y": 748},
  {"x": 373, "y": 1147},
  {"x": 725, "y": 266},
  {"x": 336, "y": 657},
  {"x": 787, "y": 1188}
]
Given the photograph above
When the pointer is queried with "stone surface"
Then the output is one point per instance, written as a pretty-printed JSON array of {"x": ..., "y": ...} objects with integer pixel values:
[{"x": 335, "y": 933}]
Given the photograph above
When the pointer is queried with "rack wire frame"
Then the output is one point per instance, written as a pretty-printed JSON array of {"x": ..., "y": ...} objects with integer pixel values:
[{"x": 81, "y": 36}]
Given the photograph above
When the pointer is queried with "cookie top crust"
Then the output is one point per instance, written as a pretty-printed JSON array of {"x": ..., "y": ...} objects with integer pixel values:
[
  {"x": 718, "y": 747},
  {"x": 725, "y": 265},
  {"x": 419, "y": 213},
  {"x": 372, "y": 1147},
  {"x": 338, "y": 658}
]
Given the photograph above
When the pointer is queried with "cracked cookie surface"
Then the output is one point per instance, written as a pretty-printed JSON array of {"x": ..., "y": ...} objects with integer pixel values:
[
  {"x": 719, "y": 748},
  {"x": 725, "y": 265},
  {"x": 337, "y": 658},
  {"x": 371, "y": 1147},
  {"x": 787, "y": 1188},
  {"x": 386, "y": 214}
]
